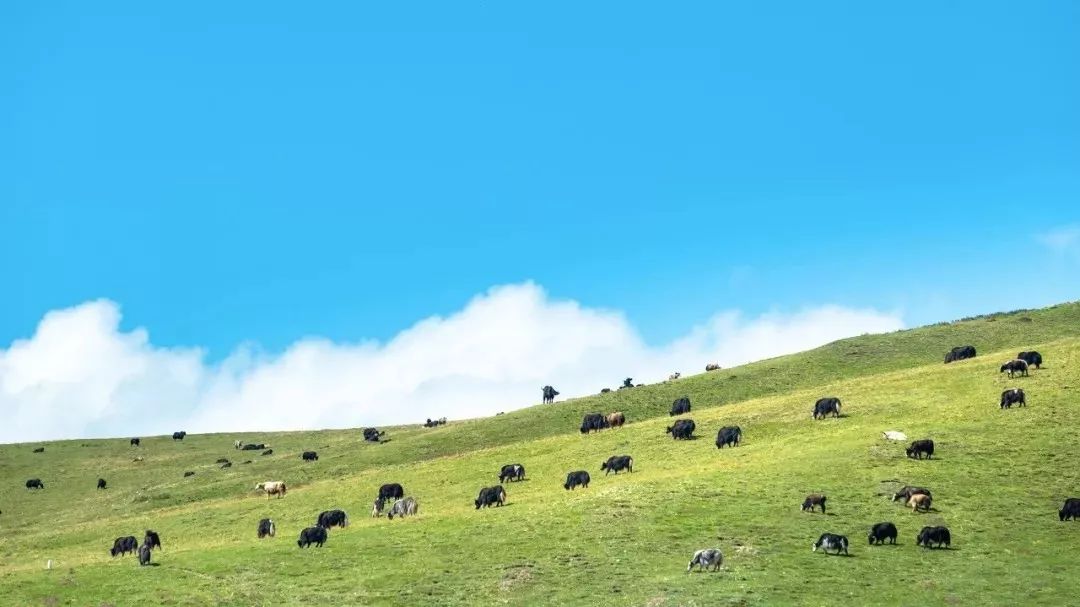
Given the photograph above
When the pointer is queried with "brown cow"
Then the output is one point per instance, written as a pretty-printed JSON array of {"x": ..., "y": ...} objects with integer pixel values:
[
  {"x": 920, "y": 501},
  {"x": 616, "y": 419},
  {"x": 814, "y": 500}
]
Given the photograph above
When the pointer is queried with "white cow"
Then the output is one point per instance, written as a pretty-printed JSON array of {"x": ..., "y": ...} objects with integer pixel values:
[
  {"x": 894, "y": 435},
  {"x": 277, "y": 488}
]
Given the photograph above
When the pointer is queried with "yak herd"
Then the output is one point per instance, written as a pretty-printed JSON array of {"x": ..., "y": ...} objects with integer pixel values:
[{"x": 919, "y": 499}]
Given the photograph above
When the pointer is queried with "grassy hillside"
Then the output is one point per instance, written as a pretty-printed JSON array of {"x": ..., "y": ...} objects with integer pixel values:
[{"x": 998, "y": 479}]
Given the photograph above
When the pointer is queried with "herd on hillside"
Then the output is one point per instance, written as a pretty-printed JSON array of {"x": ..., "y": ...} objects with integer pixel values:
[{"x": 919, "y": 499}]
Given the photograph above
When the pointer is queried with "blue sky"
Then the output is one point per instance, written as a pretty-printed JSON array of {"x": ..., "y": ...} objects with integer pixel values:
[{"x": 231, "y": 172}]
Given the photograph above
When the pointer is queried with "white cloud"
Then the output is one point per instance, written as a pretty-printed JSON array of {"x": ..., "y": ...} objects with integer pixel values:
[
  {"x": 80, "y": 375},
  {"x": 1062, "y": 240}
]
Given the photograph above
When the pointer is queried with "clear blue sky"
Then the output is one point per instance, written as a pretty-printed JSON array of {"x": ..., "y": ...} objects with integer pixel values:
[{"x": 266, "y": 171}]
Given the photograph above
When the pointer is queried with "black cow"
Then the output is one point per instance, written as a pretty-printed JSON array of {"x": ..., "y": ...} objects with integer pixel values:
[
  {"x": 179, "y": 435},
  {"x": 124, "y": 545},
  {"x": 593, "y": 422},
  {"x": 1032, "y": 358},
  {"x": 39, "y": 450},
  {"x": 144, "y": 555},
  {"x": 728, "y": 436},
  {"x": 1071, "y": 509},
  {"x": 312, "y": 535},
  {"x": 189, "y": 473},
  {"x": 253, "y": 447},
  {"x": 549, "y": 394},
  {"x": 615, "y": 463},
  {"x": 826, "y": 406},
  {"x": 1015, "y": 366},
  {"x": 627, "y": 383},
  {"x": 35, "y": 483},
  {"x": 512, "y": 472},
  {"x": 920, "y": 448},
  {"x": 934, "y": 535},
  {"x": 333, "y": 518},
  {"x": 309, "y": 456},
  {"x": 491, "y": 496},
  {"x": 267, "y": 528},
  {"x": 907, "y": 491},
  {"x": 831, "y": 541},
  {"x": 577, "y": 479},
  {"x": 960, "y": 353},
  {"x": 372, "y": 434},
  {"x": 681, "y": 406},
  {"x": 100, "y": 483},
  {"x": 391, "y": 491},
  {"x": 152, "y": 539},
  {"x": 1013, "y": 396},
  {"x": 814, "y": 500},
  {"x": 683, "y": 429},
  {"x": 135, "y": 442},
  {"x": 881, "y": 532}
]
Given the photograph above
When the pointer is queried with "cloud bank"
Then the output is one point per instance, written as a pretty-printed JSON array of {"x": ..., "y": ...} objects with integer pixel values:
[{"x": 79, "y": 375}]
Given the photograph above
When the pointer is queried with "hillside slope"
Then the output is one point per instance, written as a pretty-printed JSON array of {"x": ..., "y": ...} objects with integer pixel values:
[{"x": 998, "y": 479}]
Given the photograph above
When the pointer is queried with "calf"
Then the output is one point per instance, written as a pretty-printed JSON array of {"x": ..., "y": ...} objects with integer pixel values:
[
  {"x": 616, "y": 463},
  {"x": 377, "y": 508},
  {"x": 920, "y": 448},
  {"x": 35, "y": 483},
  {"x": 907, "y": 491},
  {"x": 1032, "y": 358},
  {"x": 391, "y": 491},
  {"x": 152, "y": 539},
  {"x": 728, "y": 436},
  {"x": 333, "y": 518},
  {"x": 237, "y": 444},
  {"x": 1071, "y": 509},
  {"x": 144, "y": 555},
  {"x": 1013, "y": 396},
  {"x": 403, "y": 507},
  {"x": 934, "y": 535},
  {"x": 179, "y": 435},
  {"x": 881, "y": 532},
  {"x": 491, "y": 496},
  {"x": 705, "y": 559},
  {"x": 268, "y": 452},
  {"x": 512, "y": 472},
  {"x": 826, "y": 406},
  {"x": 124, "y": 545},
  {"x": 616, "y": 419},
  {"x": 680, "y": 406},
  {"x": 1015, "y": 366},
  {"x": 831, "y": 541},
  {"x": 920, "y": 501},
  {"x": 593, "y": 422},
  {"x": 312, "y": 535},
  {"x": 579, "y": 478},
  {"x": 813, "y": 501},
  {"x": 267, "y": 528},
  {"x": 135, "y": 442},
  {"x": 683, "y": 429},
  {"x": 100, "y": 483}
]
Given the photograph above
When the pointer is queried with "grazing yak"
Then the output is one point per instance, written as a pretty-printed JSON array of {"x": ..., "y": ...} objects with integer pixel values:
[
  {"x": 277, "y": 488},
  {"x": 491, "y": 496},
  {"x": 831, "y": 541},
  {"x": 1013, "y": 396},
  {"x": 593, "y": 422},
  {"x": 615, "y": 463},
  {"x": 179, "y": 435},
  {"x": 705, "y": 559},
  {"x": 683, "y": 429},
  {"x": 309, "y": 456},
  {"x": 728, "y": 436},
  {"x": 579, "y": 478},
  {"x": 100, "y": 483},
  {"x": 512, "y": 472},
  {"x": 679, "y": 407},
  {"x": 881, "y": 532},
  {"x": 372, "y": 435},
  {"x": 907, "y": 491},
  {"x": 152, "y": 539},
  {"x": 35, "y": 483},
  {"x": 333, "y": 518},
  {"x": 1015, "y": 366},
  {"x": 39, "y": 450},
  {"x": 391, "y": 491},
  {"x": 674, "y": 376},
  {"x": 920, "y": 448},
  {"x": 920, "y": 501},
  {"x": 893, "y": 435},
  {"x": 1032, "y": 358},
  {"x": 616, "y": 419},
  {"x": 267, "y": 528},
  {"x": 144, "y": 555},
  {"x": 960, "y": 353},
  {"x": 826, "y": 406},
  {"x": 812, "y": 501},
  {"x": 934, "y": 535},
  {"x": 403, "y": 507},
  {"x": 189, "y": 473},
  {"x": 548, "y": 393},
  {"x": 431, "y": 423},
  {"x": 312, "y": 535},
  {"x": 712, "y": 367},
  {"x": 135, "y": 442},
  {"x": 1071, "y": 509},
  {"x": 124, "y": 545},
  {"x": 377, "y": 508}
]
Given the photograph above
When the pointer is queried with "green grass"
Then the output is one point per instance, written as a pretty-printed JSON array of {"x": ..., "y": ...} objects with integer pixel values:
[{"x": 998, "y": 479}]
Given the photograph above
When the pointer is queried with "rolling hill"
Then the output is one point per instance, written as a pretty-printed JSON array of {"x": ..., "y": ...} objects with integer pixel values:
[{"x": 998, "y": 479}]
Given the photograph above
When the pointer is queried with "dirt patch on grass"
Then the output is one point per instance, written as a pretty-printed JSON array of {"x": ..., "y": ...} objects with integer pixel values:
[{"x": 515, "y": 577}]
